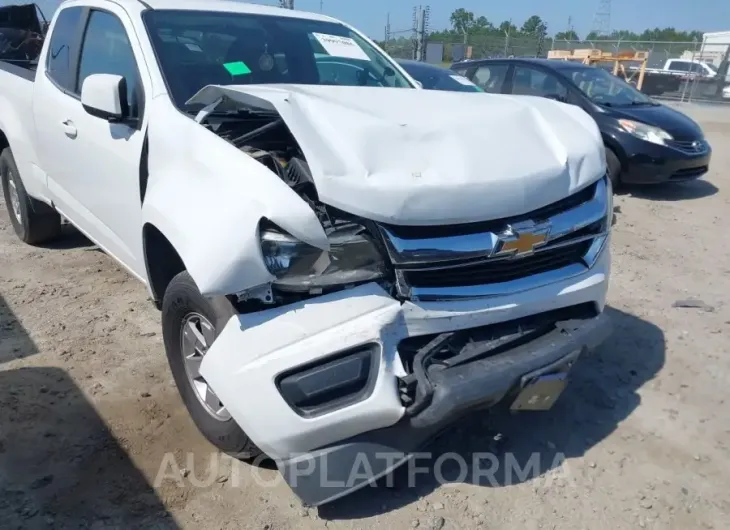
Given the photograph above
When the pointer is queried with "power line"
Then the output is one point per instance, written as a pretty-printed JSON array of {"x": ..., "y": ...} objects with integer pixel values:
[{"x": 602, "y": 19}]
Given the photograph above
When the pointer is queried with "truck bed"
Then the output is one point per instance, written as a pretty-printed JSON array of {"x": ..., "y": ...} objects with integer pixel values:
[{"x": 24, "y": 69}]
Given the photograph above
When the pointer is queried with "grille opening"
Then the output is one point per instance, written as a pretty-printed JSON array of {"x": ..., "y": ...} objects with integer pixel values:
[
  {"x": 500, "y": 271},
  {"x": 689, "y": 173},
  {"x": 524, "y": 330},
  {"x": 688, "y": 145},
  {"x": 495, "y": 225}
]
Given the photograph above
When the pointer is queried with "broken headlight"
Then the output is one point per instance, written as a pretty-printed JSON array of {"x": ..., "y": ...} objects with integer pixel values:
[{"x": 352, "y": 258}]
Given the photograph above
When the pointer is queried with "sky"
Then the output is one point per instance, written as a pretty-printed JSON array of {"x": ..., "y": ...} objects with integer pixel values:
[{"x": 369, "y": 16}]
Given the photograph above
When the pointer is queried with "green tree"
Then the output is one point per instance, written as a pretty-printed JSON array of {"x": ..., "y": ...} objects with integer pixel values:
[
  {"x": 567, "y": 35},
  {"x": 508, "y": 27},
  {"x": 483, "y": 24},
  {"x": 532, "y": 24},
  {"x": 462, "y": 20}
]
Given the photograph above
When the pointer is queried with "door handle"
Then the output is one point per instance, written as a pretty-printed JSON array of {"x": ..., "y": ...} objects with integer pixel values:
[{"x": 70, "y": 129}]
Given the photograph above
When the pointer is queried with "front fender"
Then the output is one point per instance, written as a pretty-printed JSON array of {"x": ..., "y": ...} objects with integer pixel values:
[{"x": 208, "y": 198}]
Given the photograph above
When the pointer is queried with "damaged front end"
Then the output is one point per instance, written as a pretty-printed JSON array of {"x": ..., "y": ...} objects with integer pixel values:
[
  {"x": 355, "y": 254},
  {"x": 374, "y": 341}
]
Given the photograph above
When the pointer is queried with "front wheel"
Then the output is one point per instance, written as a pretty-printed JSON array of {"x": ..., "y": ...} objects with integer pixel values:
[
  {"x": 190, "y": 325},
  {"x": 613, "y": 166}
]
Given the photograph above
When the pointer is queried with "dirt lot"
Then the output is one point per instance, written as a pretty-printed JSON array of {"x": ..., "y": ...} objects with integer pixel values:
[{"x": 88, "y": 409}]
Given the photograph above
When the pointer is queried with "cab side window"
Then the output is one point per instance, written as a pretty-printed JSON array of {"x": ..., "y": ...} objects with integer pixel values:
[
  {"x": 60, "y": 54},
  {"x": 680, "y": 66},
  {"x": 491, "y": 77},
  {"x": 106, "y": 50},
  {"x": 531, "y": 82}
]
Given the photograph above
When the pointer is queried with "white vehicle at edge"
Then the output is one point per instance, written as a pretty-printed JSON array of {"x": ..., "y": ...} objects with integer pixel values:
[{"x": 346, "y": 264}]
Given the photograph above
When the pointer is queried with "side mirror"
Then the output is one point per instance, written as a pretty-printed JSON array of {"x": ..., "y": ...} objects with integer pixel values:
[
  {"x": 105, "y": 96},
  {"x": 388, "y": 72}
]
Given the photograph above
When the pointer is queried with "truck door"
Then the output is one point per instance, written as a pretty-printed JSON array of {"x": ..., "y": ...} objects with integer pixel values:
[{"x": 93, "y": 165}]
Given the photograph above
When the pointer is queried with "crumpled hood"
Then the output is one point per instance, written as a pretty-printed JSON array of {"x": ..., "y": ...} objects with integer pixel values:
[{"x": 418, "y": 157}]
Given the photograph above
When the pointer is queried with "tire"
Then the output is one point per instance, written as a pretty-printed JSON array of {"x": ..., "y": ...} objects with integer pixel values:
[
  {"x": 182, "y": 305},
  {"x": 34, "y": 222},
  {"x": 613, "y": 165}
]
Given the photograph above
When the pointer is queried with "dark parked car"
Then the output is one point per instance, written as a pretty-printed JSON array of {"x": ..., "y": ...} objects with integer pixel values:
[
  {"x": 645, "y": 142},
  {"x": 434, "y": 77}
]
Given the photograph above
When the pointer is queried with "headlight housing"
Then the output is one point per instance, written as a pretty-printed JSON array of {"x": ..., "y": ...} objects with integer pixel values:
[
  {"x": 353, "y": 258},
  {"x": 646, "y": 132}
]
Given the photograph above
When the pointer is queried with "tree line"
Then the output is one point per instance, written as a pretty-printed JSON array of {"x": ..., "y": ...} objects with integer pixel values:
[{"x": 465, "y": 24}]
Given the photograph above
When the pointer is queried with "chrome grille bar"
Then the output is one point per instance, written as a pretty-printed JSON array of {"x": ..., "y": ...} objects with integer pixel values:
[
  {"x": 477, "y": 265},
  {"x": 408, "y": 253}
]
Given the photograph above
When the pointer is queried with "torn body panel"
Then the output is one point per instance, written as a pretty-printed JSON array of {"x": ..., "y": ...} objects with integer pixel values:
[
  {"x": 407, "y": 157},
  {"x": 253, "y": 351},
  {"x": 208, "y": 200}
]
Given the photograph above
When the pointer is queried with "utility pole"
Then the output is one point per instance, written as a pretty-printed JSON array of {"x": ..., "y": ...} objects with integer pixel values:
[
  {"x": 414, "y": 32},
  {"x": 321, "y": 6},
  {"x": 421, "y": 16},
  {"x": 387, "y": 29},
  {"x": 506, "y": 38},
  {"x": 425, "y": 16}
]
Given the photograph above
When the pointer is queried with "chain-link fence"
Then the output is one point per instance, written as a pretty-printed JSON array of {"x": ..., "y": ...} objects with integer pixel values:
[
  {"x": 474, "y": 46},
  {"x": 401, "y": 44},
  {"x": 685, "y": 71}
]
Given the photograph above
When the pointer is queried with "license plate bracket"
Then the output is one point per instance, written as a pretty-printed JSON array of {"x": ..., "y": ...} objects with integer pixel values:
[{"x": 541, "y": 393}]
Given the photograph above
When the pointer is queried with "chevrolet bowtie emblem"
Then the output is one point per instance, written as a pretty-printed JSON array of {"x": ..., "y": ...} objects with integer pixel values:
[{"x": 522, "y": 239}]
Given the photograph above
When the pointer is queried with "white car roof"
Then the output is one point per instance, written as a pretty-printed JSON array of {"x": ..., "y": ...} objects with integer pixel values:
[{"x": 228, "y": 6}]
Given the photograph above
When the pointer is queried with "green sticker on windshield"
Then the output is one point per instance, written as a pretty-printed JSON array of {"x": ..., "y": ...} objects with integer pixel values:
[{"x": 237, "y": 68}]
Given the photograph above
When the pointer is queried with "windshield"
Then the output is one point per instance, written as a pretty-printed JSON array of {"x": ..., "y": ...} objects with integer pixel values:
[
  {"x": 712, "y": 67},
  {"x": 434, "y": 78},
  {"x": 199, "y": 48},
  {"x": 604, "y": 88}
]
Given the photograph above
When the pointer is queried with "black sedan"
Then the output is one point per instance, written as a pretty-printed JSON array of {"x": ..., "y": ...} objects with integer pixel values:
[
  {"x": 645, "y": 142},
  {"x": 434, "y": 77}
]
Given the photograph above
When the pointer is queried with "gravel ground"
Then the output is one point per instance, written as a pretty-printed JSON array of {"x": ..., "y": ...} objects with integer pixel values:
[{"x": 93, "y": 434}]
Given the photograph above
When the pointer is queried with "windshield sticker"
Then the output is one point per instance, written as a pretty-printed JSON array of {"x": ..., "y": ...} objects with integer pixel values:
[
  {"x": 237, "y": 68},
  {"x": 341, "y": 46},
  {"x": 462, "y": 80}
]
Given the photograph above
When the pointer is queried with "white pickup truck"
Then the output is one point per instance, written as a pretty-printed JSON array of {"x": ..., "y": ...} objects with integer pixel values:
[
  {"x": 689, "y": 68},
  {"x": 345, "y": 263}
]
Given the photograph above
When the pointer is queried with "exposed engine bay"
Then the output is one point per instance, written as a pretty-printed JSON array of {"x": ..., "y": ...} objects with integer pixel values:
[
  {"x": 356, "y": 253},
  {"x": 266, "y": 138}
]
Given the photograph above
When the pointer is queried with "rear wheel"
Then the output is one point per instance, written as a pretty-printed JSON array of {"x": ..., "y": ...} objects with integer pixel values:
[
  {"x": 34, "y": 222},
  {"x": 613, "y": 165},
  {"x": 190, "y": 325}
]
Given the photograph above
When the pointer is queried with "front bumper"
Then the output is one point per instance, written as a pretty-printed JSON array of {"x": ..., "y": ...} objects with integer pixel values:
[
  {"x": 330, "y": 472},
  {"x": 259, "y": 357},
  {"x": 647, "y": 163}
]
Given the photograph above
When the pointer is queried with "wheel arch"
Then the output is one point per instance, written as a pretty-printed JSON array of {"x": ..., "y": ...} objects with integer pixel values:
[
  {"x": 615, "y": 146},
  {"x": 3, "y": 141},
  {"x": 162, "y": 260}
]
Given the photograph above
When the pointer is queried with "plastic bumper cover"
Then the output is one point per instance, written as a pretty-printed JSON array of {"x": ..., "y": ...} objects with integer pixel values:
[
  {"x": 255, "y": 354},
  {"x": 328, "y": 473}
]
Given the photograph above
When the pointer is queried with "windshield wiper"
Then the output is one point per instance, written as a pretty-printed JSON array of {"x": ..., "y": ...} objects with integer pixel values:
[{"x": 234, "y": 113}]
